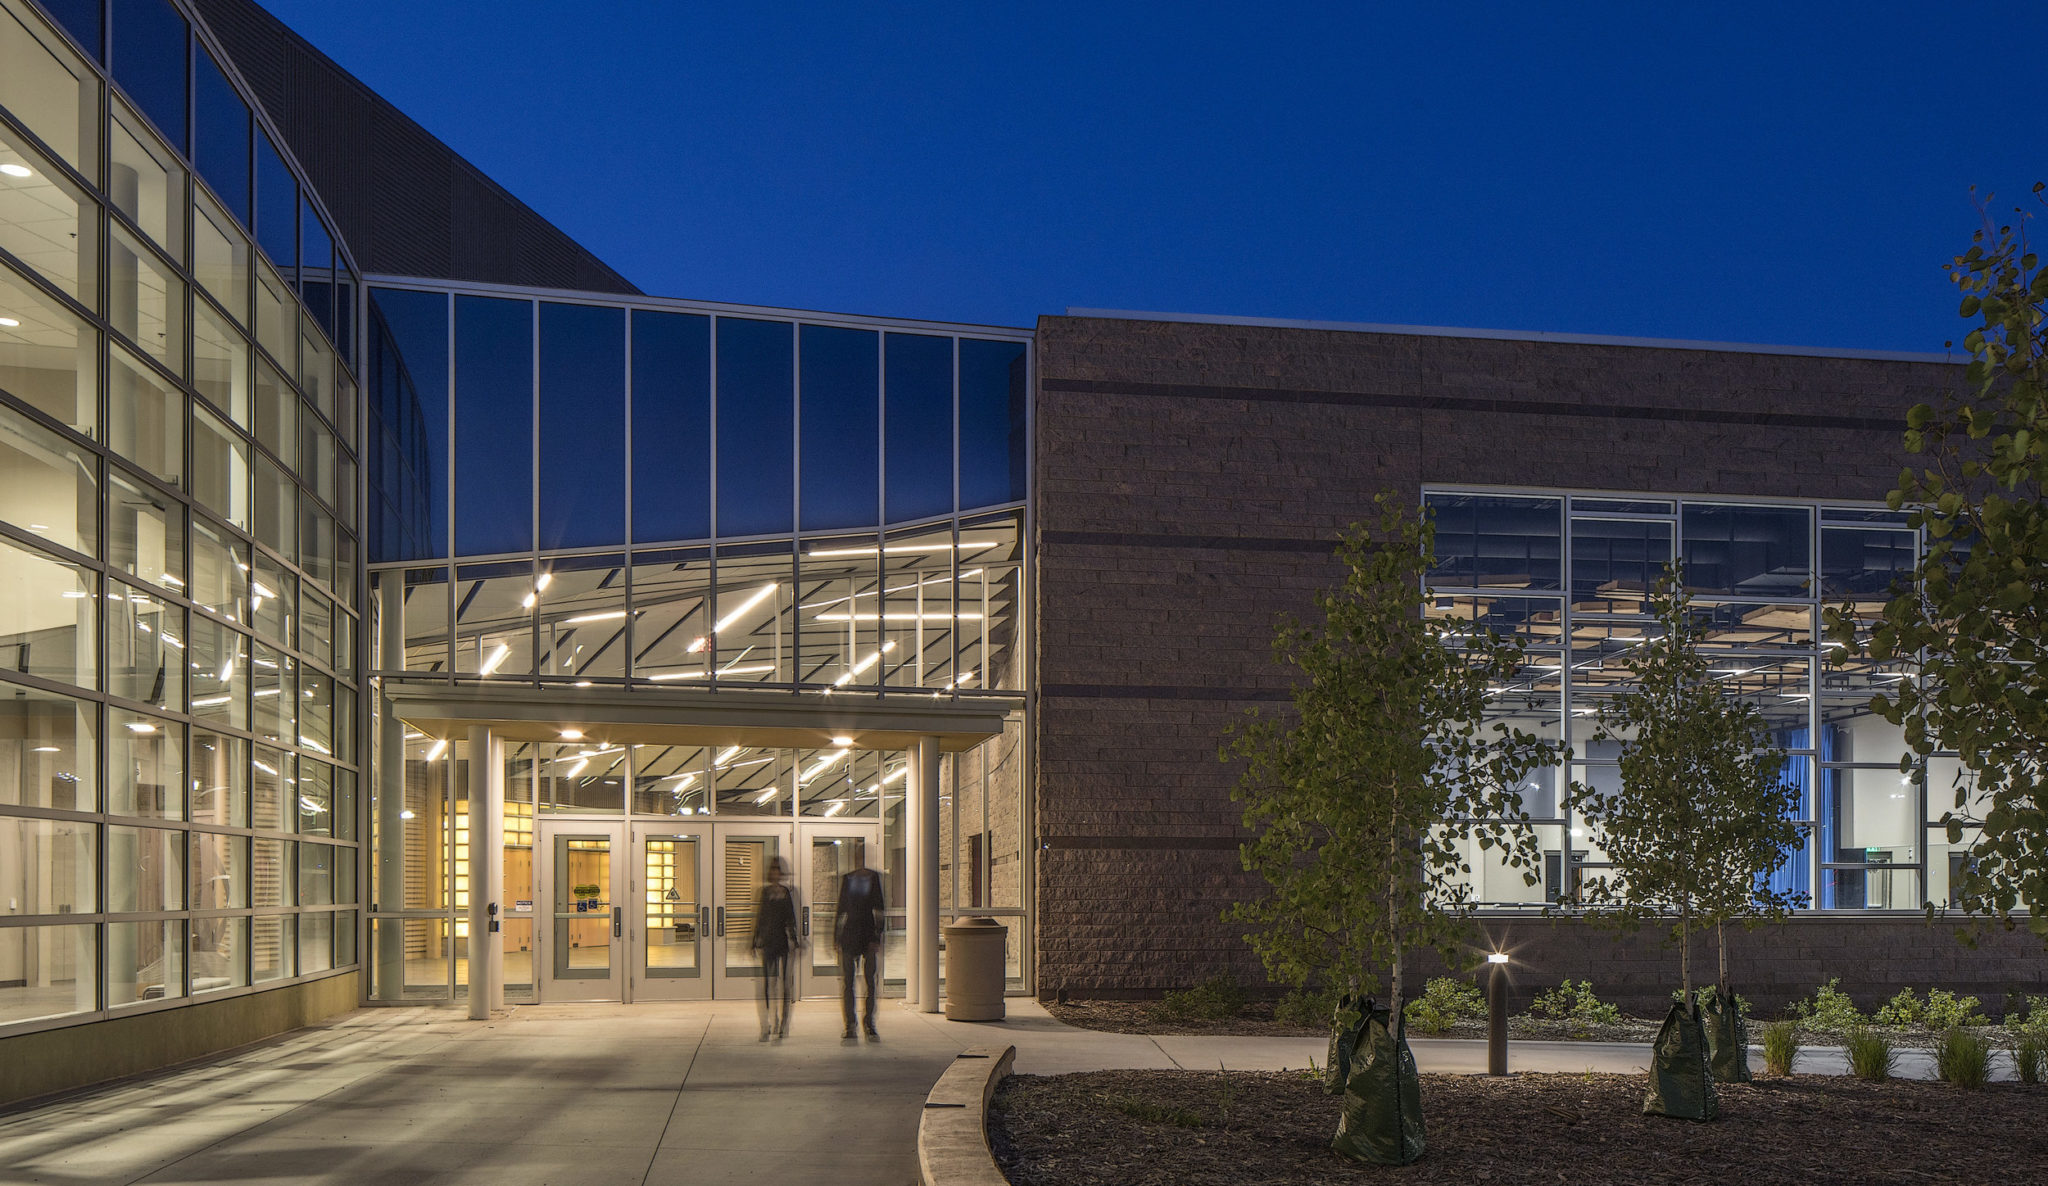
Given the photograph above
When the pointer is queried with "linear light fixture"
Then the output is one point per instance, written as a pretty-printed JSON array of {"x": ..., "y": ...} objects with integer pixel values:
[
  {"x": 896, "y": 617},
  {"x": 838, "y": 805},
  {"x": 766, "y": 795},
  {"x": 823, "y": 764},
  {"x": 760, "y": 595},
  {"x": 437, "y": 749},
  {"x": 497, "y": 657},
  {"x": 966, "y": 545},
  {"x": 610, "y": 615},
  {"x": 731, "y": 669},
  {"x": 577, "y": 769},
  {"x": 911, "y": 587},
  {"x": 730, "y": 750},
  {"x": 849, "y": 676}
]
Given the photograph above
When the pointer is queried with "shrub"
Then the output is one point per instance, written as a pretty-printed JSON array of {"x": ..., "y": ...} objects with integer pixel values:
[
  {"x": 1576, "y": 1005},
  {"x": 1901, "y": 1011},
  {"x": 1963, "y": 1058},
  {"x": 1781, "y": 1047},
  {"x": 1214, "y": 999},
  {"x": 1306, "y": 1008},
  {"x": 1705, "y": 996},
  {"x": 1870, "y": 1054},
  {"x": 1829, "y": 1012},
  {"x": 1946, "y": 1011},
  {"x": 1443, "y": 1003},
  {"x": 2030, "y": 1056}
]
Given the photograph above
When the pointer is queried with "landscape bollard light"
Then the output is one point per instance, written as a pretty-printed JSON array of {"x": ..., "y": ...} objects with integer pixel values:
[{"x": 1497, "y": 1014}]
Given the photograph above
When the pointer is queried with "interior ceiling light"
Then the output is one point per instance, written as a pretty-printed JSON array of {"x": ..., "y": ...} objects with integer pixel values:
[
  {"x": 842, "y": 739},
  {"x": 899, "y": 617},
  {"x": 14, "y": 170},
  {"x": 497, "y": 657},
  {"x": 721, "y": 759},
  {"x": 44, "y": 749},
  {"x": 966, "y": 545},
  {"x": 606, "y": 616},
  {"x": 572, "y": 735},
  {"x": 726, "y": 622},
  {"x": 437, "y": 749},
  {"x": 9, "y": 322},
  {"x": 546, "y": 579}
]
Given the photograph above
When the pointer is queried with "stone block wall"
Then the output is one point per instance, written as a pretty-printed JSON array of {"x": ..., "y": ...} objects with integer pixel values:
[{"x": 1190, "y": 482}]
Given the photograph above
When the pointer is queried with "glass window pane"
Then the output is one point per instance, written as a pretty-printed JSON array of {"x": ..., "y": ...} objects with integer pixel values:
[
  {"x": 271, "y": 948},
  {"x": 316, "y": 263},
  {"x": 145, "y": 301},
  {"x": 47, "y": 356},
  {"x": 60, "y": 965},
  {"x": 750, "y": 781},
  {"x": 145, "y": 766},
  {"x": 276, "y": 315},
  {"x": 408, "y": 431},
  {"x": 145, "y": 870},
  {"x": 671, "y": 426},
  {"x": 277, "y": 508},
  {"x": 315, "y": 798},
  {"x": 220, "y": 468},
  {"x": 582, "y": 426},
  {"x": 1751, "y": 550},
  {"x": 992, "y": 432},
  {"x": 145, "y": 417},
  {"x": 316, "y": 368},
  {"x": 1863, "y": 563},
  {"x": 316, "y": 942},
  {"x": 836, "y": 605},
  {"x": 220, "y": 259},
  {"x": 220, "y": 571},
  {"x": 145, "y": 961},
  {"x": 919, "y": 432},
  {"x": 671, "y": 612},
  {"x": 222, "y": 138},
  {"x": 1868, "y": 816},
  {"x": 319, "y": 547},
  {"x": 752, "y": 640},
  {"x": 43, "y": 85},
  {"x": 316, "y": 711},
  {"x": 145, "y": 647},
  {"x": 344, "y": 814},
  {"x": 1494, "y": 541},
  {"x": 149, "y": 62},
  {"x": 316, "y": 457},
  {"x": 145, "y": 182},
  {"x": 145, "y": 532},
  {"x": 756, "y": 422},
  {"x": 494, "y": 619},
  {"x": 271, "y": 881},
  {"x": 52, "y": 862},
  {"x": 582, "y": 778},
  {"x": 219, "y": 667},
  {"x": 46, "y": 484},
  {"x": 277, "y": 412},
  {"x": 220, "y": 871},
  {"x": 841, "y": 427},
  {"x": 1616, "y": 562},
  {"x": 83, "y": 20},
  {"x": 54, "y": 751},
  {"x": 48, "y": 616},
  {"x": 424, "y": 606},
  {"x": 220, "y": 363},
  {"x": 583, "y": 621},
  {"x": 220, "y": 779},
  {"x": 47, "y": 222},
  {"x": 493, "y": 425},
  {"x": 669, "y": 780},
  {"x": 220, "y": 953},
  {"x": 316, "y": 626},
  {"x": 273, "y": 599},
  {"x": 277, "y": 204},
  {"x": 316, "y": 874},
  {"x": 274, "y": 686},
  {"x": 271, "y": 778}
]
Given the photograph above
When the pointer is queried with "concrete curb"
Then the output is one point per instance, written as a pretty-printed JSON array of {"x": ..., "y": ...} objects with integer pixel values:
[{"x": 952, "y": 1135}]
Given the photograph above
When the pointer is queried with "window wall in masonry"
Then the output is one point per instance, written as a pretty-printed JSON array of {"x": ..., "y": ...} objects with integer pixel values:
[
  {"x": 178, "y": 773},
  {"x": 1569, "y": 572}
]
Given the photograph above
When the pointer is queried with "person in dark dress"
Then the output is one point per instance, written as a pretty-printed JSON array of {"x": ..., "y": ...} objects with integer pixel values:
[
  {"x": 775, "y": 936},
  {"x": 858, "y": 933}
]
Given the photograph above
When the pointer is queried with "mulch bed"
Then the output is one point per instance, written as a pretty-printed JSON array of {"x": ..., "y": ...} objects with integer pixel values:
[
  {"x": 1139, "y": 1017},
  {"x": 1196, "y": 1128}
]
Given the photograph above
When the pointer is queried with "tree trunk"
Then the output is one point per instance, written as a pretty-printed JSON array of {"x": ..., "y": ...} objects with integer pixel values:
[
  {"x": 1721, "y": 945},
  {"x": 1685, "y": 952},
  {"x": 1395, "y": 994}
]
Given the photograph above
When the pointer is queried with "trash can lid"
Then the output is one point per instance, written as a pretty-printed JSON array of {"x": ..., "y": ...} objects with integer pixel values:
[{"x": 977, "y": 923}]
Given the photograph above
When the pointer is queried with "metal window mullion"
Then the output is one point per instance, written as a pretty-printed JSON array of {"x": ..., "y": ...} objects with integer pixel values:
[{"x": 796, "y": 518}]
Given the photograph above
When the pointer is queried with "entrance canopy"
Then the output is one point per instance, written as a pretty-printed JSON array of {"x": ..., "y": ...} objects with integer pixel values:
[{"x": 658, "y": 716}]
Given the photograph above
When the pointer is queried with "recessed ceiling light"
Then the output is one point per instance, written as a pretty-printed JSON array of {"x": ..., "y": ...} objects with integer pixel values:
[
  {"x": 141, "y": 727},
  {"x": 14, "y": 170},
  {"x": 842, "y": 739},
  {"x": 9, "y": 322},
  {"x": 44, "y": 749},
  {"x": 572, "y": 735}
]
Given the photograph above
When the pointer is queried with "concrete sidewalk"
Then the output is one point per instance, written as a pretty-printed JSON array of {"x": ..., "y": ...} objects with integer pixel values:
[{"x": 601, "y": 1094}]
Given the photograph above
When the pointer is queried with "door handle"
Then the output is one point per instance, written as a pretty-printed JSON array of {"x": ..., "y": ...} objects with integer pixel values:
[
  {"x": 618, "y": 921},
  {"x": 721, "y": 922},
  {"x": 807, "y": 922},
  {"x": 703, "y": 919}
]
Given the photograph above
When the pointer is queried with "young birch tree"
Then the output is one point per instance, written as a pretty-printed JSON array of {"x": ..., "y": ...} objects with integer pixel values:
[
  {"x": 1702, "y": 812},
  {"x": 1360, "y": 798},
  {"x": 1975, "y": 614}
]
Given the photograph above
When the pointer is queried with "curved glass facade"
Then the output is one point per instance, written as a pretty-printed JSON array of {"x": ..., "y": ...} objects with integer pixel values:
[{"x": 178, "y": 568}]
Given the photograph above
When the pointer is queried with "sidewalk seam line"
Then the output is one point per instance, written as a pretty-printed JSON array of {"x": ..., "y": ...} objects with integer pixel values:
[{"x": 655, "y": 1154}]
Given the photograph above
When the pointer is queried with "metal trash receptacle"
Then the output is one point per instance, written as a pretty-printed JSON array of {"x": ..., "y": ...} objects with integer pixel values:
[{"x": 976, "y": 950}]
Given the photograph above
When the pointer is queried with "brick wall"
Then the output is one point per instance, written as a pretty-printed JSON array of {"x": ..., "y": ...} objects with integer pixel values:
[{"x": 1189, "y": 482}]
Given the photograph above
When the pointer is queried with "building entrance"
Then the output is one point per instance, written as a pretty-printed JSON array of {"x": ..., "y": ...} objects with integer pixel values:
[{"x": 666, "y": 910}]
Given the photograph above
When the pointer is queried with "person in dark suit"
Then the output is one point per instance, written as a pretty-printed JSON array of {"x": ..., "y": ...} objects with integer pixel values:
[
  {"x": 858, "y": 932},
  {"x": 775, "y": 936}
]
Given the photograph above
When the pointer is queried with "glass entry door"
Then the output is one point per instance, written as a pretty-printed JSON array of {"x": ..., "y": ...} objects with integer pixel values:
[
  {"x": 583, "y": 878},
  {"x": 830, "y": 852},
  {"x": 745, "y": 851},
  {"x": 671, "y": 912}
]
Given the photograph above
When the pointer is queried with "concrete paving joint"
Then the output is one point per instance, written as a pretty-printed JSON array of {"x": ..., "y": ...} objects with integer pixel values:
[{"x": 952, "y": 1135}]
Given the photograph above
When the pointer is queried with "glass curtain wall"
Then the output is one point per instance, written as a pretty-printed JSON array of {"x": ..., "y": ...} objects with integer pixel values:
[
  {"x": 178, "y": 774},
  {"x": 1570, "y": 573},
  {"x": 663, "y": 497}
]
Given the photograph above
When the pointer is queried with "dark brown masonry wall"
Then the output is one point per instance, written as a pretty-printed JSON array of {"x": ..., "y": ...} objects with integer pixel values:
[{"x": 1190, "y": 482}]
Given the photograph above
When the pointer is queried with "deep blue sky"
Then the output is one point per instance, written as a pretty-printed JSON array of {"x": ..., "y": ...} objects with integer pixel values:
[{"x": 1788, "y": 173}]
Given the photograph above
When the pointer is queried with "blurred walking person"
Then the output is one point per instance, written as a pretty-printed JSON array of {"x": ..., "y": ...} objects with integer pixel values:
[
  {"x": 858, "y": 932},
  {"x": 775, "y": 937}
]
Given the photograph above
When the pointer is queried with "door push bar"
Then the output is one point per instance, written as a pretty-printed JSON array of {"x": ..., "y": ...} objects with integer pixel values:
[
  {"x": 618, "y": 921},
  {"x": 807, "y": 922},
  {"x": 721, "y": 922}
]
